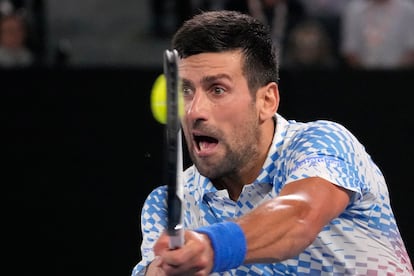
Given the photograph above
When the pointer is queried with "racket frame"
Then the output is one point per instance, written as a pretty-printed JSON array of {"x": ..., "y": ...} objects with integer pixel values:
[{"x": 174, "y": 153}]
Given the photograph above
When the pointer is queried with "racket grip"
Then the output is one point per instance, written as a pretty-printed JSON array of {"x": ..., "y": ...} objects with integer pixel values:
[{"x": 177, "y": 238}]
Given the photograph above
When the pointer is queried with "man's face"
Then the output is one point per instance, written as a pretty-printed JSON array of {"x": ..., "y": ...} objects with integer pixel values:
[{"x": 221, "y": 120}]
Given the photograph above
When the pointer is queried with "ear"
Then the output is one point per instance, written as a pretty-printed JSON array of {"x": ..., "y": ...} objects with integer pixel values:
[{"x": 268, "y": 101}]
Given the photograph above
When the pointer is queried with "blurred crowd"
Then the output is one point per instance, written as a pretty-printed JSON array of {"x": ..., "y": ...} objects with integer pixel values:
[
  {"x": 366, "y": 34},
  {"x": 21, "y": 33}
]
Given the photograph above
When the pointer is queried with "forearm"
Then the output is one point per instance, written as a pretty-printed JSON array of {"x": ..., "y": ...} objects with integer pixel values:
[
  {"x": 283, "y": 227},
  {"x": 278, "y": 229}
]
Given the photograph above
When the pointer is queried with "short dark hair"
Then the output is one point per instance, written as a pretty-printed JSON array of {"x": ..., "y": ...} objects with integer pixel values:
[{"x": 224, "y": 30}]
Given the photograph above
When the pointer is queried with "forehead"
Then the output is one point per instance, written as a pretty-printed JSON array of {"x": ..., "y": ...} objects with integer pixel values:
[{"x": 229, "y": 62}]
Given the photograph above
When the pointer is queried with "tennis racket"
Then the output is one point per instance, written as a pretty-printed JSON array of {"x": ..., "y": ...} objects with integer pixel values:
[{"x": 173, "y": 151}]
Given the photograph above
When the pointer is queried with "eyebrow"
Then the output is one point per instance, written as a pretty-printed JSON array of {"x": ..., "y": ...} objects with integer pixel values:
[
  {"x": 210, "y": 79},
  {"x": 206, "y": 80}
]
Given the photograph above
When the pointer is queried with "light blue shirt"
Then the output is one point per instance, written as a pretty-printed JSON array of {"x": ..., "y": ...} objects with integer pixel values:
[{"x": 363, "y": 240}]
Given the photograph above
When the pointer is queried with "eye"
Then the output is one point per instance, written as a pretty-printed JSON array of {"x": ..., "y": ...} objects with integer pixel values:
[
  {"x": 218, "y": 90},
  {"x": 187, "y": 91}
]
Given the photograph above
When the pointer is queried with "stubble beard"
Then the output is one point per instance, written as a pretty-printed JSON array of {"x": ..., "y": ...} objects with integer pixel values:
[{"x": 239, "y": 154}]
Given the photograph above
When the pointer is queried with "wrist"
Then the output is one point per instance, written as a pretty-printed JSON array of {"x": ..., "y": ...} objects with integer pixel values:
[{"x": 228, "y": 243}]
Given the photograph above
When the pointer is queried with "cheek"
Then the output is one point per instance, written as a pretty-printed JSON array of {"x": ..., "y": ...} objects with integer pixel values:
[{"x": 237, "y": 117}]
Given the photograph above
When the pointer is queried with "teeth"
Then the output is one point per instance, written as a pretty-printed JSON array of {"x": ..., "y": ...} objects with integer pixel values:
[{"x": 202, "y": 145}]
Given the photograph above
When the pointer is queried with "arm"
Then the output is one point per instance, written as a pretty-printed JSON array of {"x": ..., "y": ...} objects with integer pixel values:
[
  {"x": 153, "y": 222},
  {"x": 284, "y": 226},
  {"x": 276, "y": 230}
]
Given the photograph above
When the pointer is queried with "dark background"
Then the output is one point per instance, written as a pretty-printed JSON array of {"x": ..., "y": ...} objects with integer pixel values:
[{"x": 81, "y": 151}]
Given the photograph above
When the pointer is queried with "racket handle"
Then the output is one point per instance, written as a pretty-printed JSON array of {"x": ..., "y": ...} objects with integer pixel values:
[{"x": 177, "y": 239}]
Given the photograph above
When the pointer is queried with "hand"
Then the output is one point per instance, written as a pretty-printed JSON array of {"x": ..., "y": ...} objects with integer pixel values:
[{"x": 194, "y": 258}]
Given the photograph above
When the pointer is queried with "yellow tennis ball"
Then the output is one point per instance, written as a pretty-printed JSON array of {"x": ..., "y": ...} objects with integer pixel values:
[{"x": 159, "y": 99}]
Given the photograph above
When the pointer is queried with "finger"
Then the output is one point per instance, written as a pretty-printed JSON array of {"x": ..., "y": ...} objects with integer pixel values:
[
  {"x": 155, "y": 268},
  {"x": 161, "y": 245},
  {"x": 194, "y": 257}
]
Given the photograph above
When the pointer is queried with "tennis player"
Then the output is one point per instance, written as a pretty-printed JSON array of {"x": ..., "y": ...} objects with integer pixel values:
[{"x": 266, "y": 195}]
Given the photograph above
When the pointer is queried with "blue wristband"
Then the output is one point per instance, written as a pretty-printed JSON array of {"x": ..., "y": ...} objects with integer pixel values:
[{"x": 228, "y": 242}]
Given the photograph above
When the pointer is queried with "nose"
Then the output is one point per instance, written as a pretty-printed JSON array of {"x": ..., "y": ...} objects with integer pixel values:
[{"x": 197, "y": 108}]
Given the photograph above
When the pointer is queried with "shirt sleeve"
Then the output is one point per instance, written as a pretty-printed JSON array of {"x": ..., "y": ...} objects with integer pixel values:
[
  {"x": 153, "y": 223},
  {"x": 328, "y": 150}
]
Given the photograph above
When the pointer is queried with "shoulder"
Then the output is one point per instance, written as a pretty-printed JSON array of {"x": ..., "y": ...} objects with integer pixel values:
[
  {"x": 320, "y": 135},
  {"x": 318, "y": 129},
  {"x": 158, "y": 195}
]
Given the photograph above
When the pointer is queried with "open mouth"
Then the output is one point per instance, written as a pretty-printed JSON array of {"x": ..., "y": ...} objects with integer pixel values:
[{"x": 204, "y": 143}]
